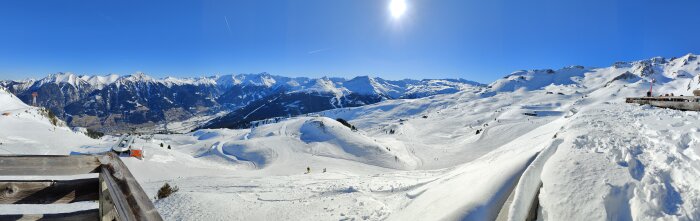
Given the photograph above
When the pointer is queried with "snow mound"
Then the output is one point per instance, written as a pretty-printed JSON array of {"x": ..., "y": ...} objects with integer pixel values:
[
  {"x": 305, "y": 140},
  {"x": 300, "y": 138},
  {"x": 332, "y": 139}
]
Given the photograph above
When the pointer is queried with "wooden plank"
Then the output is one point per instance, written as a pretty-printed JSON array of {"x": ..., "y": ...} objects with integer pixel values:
[
  {"x": 129, "y": 199},
  {"x": 91, "y": 214},
  {"x": 48, "y": 191},
  {"x": 117, "y": 199},
  {"x": 48, "y": 165},
  {"x": 107, "y": 210}
]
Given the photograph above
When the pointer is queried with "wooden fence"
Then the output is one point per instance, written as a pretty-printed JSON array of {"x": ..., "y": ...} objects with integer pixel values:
[{"x": 116, "y": 191}]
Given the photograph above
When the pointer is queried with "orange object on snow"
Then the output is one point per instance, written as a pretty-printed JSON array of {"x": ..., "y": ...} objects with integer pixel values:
[{"x": 137, "y": 154}]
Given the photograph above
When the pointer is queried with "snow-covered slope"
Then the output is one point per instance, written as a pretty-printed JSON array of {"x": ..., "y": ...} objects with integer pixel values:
[
  {"x": 10, "y": 102},
  {"x": 677, "y": 75},
  {"x": 624, "y": 162},
  {"x": 564, "y": 137},
  {"x": 29, "y": 130},
  {"x": 304, "y": 137}
]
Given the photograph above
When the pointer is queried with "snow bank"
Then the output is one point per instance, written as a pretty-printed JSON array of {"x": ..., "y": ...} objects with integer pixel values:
[
  {"x": 475, "y": 191},
  {"x": 529, "y": 184}
]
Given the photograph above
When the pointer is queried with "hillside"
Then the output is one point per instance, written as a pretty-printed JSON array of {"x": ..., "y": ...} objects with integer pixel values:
[{"x": 29, "y": 130}]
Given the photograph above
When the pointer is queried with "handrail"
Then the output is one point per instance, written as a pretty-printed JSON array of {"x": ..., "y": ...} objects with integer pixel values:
[{"x": 119, "y": 195}]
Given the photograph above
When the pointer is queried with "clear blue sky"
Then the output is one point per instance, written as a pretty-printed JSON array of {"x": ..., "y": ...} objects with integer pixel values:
[{"x": 473, "y": 39}]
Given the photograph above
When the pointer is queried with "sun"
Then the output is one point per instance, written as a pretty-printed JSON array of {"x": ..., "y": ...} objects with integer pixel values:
[{"x": 397, "y": 8}]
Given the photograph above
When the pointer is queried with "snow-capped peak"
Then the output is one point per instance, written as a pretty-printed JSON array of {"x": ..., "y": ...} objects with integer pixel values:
[
  {"x": 138, "y": 76},
  {"x": 58, "y": 78},
  {"x": 325, "y": 85},
  {"x": 367, "y": 85},
  {"x": 170, "y": 81},
  {"x": 99, "y": 82},
  {"x": 262, "y": 79}
]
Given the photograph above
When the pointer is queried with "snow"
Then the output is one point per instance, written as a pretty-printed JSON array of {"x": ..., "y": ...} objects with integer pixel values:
[
  {"x": 363, "y": 85},
  {"x": 68, "y": 78},
  {"x": 530, "y": 183},
  {"x": 468, "y": 192},
  {"x": 26, "y": 130},
  {"x": 360, "y": 85},
  {"x": 99, "y": 82},
  {"x": 323, "y": 85},
  {"x": 565, "y": 134},
  {"x": 9, "y": 101},
  {"x": 625, "y": 162}
]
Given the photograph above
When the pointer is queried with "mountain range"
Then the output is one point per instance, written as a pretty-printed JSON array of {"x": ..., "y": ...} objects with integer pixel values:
[{"x": 116, "y": 104}]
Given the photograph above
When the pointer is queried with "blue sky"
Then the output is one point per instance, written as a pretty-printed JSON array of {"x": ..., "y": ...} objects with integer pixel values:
[{"x": 472, "y": 39}]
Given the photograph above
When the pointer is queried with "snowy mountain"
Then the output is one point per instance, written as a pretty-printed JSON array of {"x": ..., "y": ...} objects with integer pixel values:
[
  {"x": 678, "y": 70},
  {"x": 555, "y": 144},
  {"x": 115, "y": 103}
]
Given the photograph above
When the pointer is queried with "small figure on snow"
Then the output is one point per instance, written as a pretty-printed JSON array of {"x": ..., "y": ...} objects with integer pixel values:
[
  {"x": 308, "y": 170},
  {"x": 324, "y": 170}
]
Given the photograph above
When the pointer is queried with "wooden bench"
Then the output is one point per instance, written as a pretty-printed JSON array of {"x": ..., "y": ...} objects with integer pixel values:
[{"x": 114, "y": 188}]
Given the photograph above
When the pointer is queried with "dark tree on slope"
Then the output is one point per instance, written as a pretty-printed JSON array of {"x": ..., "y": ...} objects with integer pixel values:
[{"x": 346, "y": 123}]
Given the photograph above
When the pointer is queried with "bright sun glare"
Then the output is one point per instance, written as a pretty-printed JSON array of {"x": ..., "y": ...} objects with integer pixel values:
[{"x": 397, "y": 8}]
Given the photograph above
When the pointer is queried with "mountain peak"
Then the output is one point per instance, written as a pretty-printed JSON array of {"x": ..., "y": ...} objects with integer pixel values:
[
  {"x": 138, "y": 76},
  {"x": 61, "y": 77}
]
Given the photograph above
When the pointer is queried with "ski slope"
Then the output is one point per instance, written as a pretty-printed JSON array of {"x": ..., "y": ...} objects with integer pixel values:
[{"x": 564, "y": 137}]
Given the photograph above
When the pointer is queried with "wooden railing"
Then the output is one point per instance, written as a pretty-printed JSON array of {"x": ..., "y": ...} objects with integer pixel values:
[
  {"x": 116, "y": 191},
  {"x": 679, "y": 102}
]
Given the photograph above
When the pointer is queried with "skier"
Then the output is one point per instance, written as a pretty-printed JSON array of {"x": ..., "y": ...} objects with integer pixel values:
[
  {"x": 324, "y": 170},
  {"x": 308, "y": 170}
]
